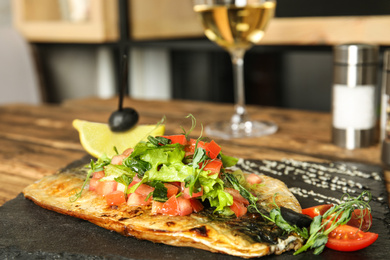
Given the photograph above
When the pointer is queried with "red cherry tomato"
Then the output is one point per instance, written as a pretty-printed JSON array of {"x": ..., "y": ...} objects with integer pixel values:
[
  {"x": 359, "y": 219},
  {"x": 348, "y": 238},
  {"x": 316, "y": 210}
]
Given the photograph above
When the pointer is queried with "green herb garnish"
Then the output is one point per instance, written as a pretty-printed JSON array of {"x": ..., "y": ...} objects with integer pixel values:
[{"x": 94, "y": 167}]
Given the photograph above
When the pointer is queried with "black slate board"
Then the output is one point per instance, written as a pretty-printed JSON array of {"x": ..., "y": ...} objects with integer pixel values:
[{"x": 30, "y": 232}]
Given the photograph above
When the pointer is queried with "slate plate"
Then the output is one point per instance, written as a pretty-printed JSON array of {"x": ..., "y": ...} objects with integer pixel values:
[{"x": 30, "y": 232}]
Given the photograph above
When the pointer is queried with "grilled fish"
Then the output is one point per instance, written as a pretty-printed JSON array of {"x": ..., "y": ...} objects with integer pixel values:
[{"x": 247, "y": 237}]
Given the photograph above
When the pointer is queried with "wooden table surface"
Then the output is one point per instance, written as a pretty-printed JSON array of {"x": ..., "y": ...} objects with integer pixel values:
[{"x": 38, "y": 140}]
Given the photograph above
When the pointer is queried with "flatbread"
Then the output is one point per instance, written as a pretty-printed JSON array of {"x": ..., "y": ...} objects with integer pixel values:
[{"x": 248, "y": 236}]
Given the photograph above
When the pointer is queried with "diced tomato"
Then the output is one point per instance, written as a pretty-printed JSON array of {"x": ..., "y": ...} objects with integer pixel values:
[
  {"x": 212, "y": 149},
  {"x": 188, "y": 154},
  {"x": 186, "y": 192},
  {"x": 144, "y": 190},
  {"x": 118, "y": 159},
  {"x": 157, "y": 207},
  {"x": 238, "y": 208},
  {"x": 93, "y": 183},
  {"x": 185, "y": 206},
  {"x": 98, "y": 175},
  {"x": 253, "y": 179},
  {"x": 213, "y": 166},
  {"x": 176, "y": 183},
  {"x": 106, "y": 187},
  {"x": 128, "y": 151},
  {"x": 115, "y": 198},
  {"x": 135, "y": 181},
  {"x": 181, "y": 139},
  {"x": 316, "y": 210},
  {"x": 191, "y": 145},
  {"x": 237, "y": 196},
  {"x": 197, "y": 206},
  {"x": 171, "y": 207},
  {"x": 136, "y": 199},
  {"x": 172, "y": 189},
  {"x": 348, "y": 238}
]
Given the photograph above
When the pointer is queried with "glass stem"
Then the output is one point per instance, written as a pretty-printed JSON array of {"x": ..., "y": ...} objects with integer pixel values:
[{"x": 240, "y": 115}]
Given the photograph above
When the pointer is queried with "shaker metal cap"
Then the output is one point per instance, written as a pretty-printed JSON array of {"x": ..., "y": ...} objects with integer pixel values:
[{"x": 355, "y": 54}]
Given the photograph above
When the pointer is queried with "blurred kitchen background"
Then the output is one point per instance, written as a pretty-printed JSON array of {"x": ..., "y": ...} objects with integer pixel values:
[{"x": 74, "y": 46}]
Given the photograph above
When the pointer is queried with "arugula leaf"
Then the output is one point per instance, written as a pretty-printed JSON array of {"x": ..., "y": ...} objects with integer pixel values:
[
  {"x": 160, "y": 191},
  {"x": 94, "y": 167},
  {"x": 138, "y": 166},
  {"x": 158, "y": 140},
  {"x": 243, "y": 191},
  {"x": 200, "y": 156},
  {"x": 277, "y": 218},
  {"x": 125, "y": 180}
]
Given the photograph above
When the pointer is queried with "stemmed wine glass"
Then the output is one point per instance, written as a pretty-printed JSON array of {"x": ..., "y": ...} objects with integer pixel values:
[{"x": 236, "y": 25}]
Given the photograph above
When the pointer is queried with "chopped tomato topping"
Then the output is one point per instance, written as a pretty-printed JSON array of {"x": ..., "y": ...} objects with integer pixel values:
[
  {"x": 135, "y": 181},
  {"x": 106, "y": 187},
  {"x": 191, "y": 145},
  {"x": 171, "y": 189},
  {"x": 157, "y": 207},
  {"x": 98, "y": 175},
  {"x": 118, "y": 159},
  {"x": 238, "y": 208},
  {"x": 144, "y": 190},
  {"x": 197, "y": 206},
  {"x": 213, "y": 166},
  {"x": 212, "y": 149},
  {"x": 128, "y": 151},
  {"x": 93, "y": 183},
  {"x": 185, "y": 207},
  {"x": 253, "y": 179},
  {"x": 348, "y": 238},
  {"x": 115, "y": 198},
  {"x": 181, "y": 139},
  {"x": 171, "y": 207},
  {"x": 186, "y": 192},
  {"x": 136, "y": 199},
  {"x": 237, "y": 196}
]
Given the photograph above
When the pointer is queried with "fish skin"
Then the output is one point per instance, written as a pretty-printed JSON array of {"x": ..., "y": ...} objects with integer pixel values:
[{"x": 196, "y": 230}]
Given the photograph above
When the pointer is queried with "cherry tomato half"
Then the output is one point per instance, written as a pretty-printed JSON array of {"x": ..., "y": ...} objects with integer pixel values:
[
  {"x": 316, "y": 210},
  {"x": 360, "y": 218},
  {"x": 348, "y": 238}
]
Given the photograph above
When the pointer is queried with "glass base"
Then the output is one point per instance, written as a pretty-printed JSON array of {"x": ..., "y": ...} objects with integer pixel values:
[{"x": 228, "y": 130}]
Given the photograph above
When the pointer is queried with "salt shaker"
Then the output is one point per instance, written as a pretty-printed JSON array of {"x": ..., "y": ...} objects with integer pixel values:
[
  {"x": 353, "y": 95},
  {"x": 385, "y": 110}
]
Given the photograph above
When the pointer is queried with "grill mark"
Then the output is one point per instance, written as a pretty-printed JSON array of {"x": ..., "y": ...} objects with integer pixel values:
[
  {"x": 202, "y": 231},
  {"x": 170, "y": 223}
]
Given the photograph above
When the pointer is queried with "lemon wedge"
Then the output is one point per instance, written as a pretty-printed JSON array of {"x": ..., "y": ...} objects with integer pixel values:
[{"x": 97, "y": 138}]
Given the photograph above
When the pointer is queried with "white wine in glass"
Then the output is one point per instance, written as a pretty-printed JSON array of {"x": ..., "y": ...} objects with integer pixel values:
[{"x": 236, "y": 25}]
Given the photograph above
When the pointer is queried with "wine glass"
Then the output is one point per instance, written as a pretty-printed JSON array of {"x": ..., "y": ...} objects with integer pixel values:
[{"x": 236, "y": 25}]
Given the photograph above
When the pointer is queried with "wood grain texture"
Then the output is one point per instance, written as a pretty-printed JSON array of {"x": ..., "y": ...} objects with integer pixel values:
[{"x": 36, "y": 141}]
